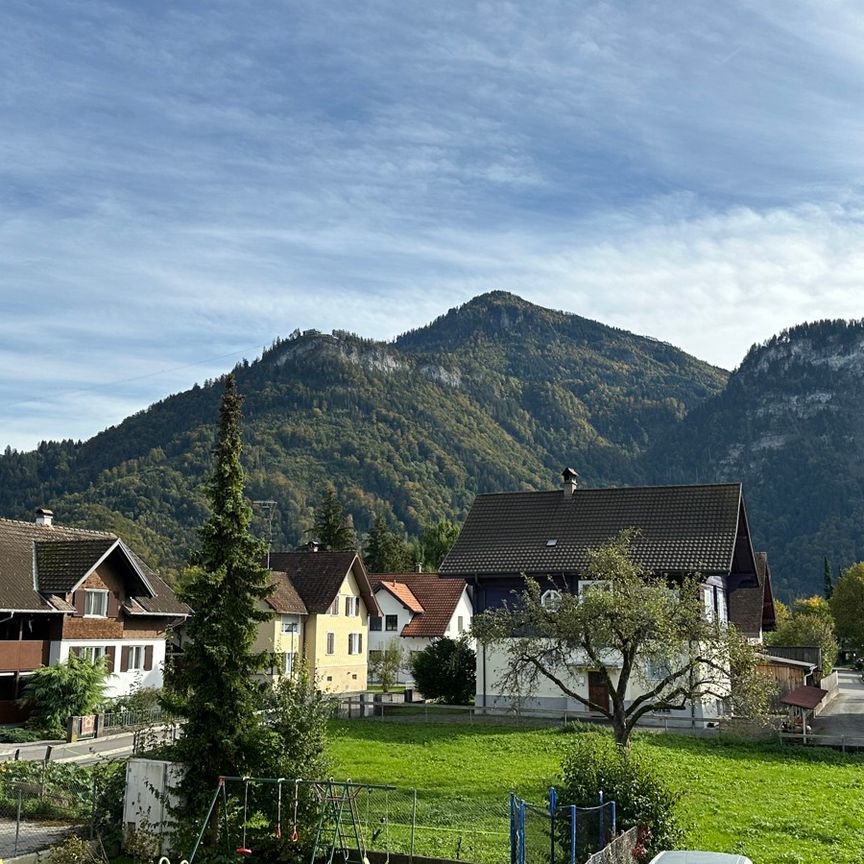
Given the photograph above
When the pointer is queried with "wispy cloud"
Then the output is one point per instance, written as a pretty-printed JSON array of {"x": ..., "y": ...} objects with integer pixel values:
[{"x": 180, "y": 182}]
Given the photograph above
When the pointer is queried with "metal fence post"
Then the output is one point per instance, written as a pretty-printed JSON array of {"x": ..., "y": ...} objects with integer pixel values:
[
  {"x": 602, "y": 836},
  {"x": 413, "y": 824},
  {"x": 521, "y": 832},
  {"x": 553, "y": 804},
  {"x": 614, "y": 812},
  {"x": 572, "y": 834},
  {"x": 17, "y": 822}
]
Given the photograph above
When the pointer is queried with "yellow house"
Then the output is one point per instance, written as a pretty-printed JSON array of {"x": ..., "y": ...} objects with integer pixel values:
[{"x": 320, "y": 612}]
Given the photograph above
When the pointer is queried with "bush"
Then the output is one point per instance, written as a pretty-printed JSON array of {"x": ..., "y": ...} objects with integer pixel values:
[
  {"x": 18, "y": 735},
  {"x": 56, "y": 693},
  {"x": 446, "y": 671},
  {"x": 594, "y": 763},
  {"x": 143, "y": 700}
]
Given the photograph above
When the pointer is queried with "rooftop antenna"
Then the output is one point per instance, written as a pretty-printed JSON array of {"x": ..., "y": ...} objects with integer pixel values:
[{"x": 270, "y": 508}]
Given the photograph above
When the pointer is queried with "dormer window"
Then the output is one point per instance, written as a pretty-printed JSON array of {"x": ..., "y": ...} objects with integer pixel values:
[
  {"x": 95, "y": 602},
  {"x": 550, "y": 600},
  {"x": 552, "y": 541}
]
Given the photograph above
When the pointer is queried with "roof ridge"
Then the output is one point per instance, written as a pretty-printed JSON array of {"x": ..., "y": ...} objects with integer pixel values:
[
  {"x": 52, "y": 528},
  {"x": 580, "y": 489}
]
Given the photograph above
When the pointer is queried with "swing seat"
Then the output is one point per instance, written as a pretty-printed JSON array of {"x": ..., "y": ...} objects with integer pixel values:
[{"x": 243, "y": 850}]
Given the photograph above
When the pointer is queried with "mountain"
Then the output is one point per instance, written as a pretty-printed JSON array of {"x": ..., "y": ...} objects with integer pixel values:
[
  {"x": 790, "y": 425},
  {"x": 498, "y": 394}
]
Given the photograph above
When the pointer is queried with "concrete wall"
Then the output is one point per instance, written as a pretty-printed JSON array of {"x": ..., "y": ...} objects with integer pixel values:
[{"x": 150, "y": 794}]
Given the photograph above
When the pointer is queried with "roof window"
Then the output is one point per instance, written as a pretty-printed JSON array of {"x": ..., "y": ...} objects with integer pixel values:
[{"x": 553, "y": 541}]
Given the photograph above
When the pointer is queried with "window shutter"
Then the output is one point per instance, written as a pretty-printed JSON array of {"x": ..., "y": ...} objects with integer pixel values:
[
  {"x": 124, "y": 658},
  {"x": 359, "y": 643},
  {"x": 113, "y": 604},
  {"x": 148, "y": 658},
  {"x": 110, "y": 656},
  {"x": 79, "y": 601}
]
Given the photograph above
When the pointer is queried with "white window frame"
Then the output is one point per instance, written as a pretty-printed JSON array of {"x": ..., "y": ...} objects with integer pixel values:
[
  {"x": 136, "y": 658},
  {"x": 591, "y": 584},
  {"x": 355, "y": 643},
  {"x": 334, "y": 606},
  {"x": 93, "y": 652},
  {"x": 289, "y": 625},
  {"x": 550, "y": 599},
  {"x": 460, "y": 623},
  {"x": 90, "y": 594},
  {"x": 288, "y": 668}
]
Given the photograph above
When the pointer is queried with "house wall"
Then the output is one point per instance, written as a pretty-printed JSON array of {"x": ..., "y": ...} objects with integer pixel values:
[
  {"x": 118, "y": 683},
  {"x": 339, "y": 672},
  {"x": 272, "y": 640},
  {"x": 546, "y": 696}
]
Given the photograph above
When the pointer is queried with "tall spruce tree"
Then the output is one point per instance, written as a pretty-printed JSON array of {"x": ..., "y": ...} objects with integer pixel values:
[
  {"x": 387, "y": 552},
  {"x": 332, "y": 529},
  {"x": 215, "y": 686}
]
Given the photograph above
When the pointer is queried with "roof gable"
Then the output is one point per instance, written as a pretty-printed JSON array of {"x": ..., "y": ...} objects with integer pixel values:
[
  {"x": 403, "y": 594},
  {"x": 60, "y": 565},
  {"x": 437, "y": 598},
  {"x": 682, "y": 529}
]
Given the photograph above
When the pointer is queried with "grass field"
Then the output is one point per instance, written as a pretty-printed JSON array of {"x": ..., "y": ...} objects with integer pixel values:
[{"x": 789, "y": 806}]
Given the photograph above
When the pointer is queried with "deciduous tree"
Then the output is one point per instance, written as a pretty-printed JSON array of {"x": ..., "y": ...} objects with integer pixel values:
[
  {"x": 634, "y": 628},
  {"x": 847, "y": 604},
  {"x": 436, "y": 541},
  {"x": 446, "y": 670}
]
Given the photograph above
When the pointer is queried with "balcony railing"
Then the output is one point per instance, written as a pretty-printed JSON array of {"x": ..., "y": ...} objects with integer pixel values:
[{"x": 23, "y": 655}]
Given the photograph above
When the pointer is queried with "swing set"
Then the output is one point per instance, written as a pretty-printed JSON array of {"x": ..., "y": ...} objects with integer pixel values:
[{"x": 340, "y": 824}]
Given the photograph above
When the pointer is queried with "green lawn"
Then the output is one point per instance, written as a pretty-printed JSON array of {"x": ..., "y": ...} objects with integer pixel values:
[{"x": 789, "y": 806}]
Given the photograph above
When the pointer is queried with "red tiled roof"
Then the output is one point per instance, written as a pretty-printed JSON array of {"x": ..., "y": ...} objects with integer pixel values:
[
  {"x": 437, "y": 598},
  {"x": 403, "y": 594},
  {"x": 804, "y": 697}
]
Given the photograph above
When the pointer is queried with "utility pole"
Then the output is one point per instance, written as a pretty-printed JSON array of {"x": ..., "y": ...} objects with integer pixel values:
[{"x": 270, "y": 508}]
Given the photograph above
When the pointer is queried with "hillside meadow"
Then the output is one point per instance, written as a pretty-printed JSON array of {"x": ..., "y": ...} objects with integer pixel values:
[{"x": 777, "y": 806}]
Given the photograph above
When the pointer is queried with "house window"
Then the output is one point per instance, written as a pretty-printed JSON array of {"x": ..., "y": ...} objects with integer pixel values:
[
  {"x": 591, "y": 584},
  {"x": 289, "y": 662},
  {"x": 550, "y": 599},
  {"x": 136, "y": 657},
  {"x": 95, "y": 602},
  {"x": 334, "y": 606},
  {"x": 391, "y": 623},
  {"x": 331, "y": 643},
  {"x": 460, "y": 624},
  {"x": 289, "y": 625},
  {"x": 352, "y": 606},
  {"x": 355, "y": 643},
  {"x": 93, "y": 652},
  {"x": 375, "y": 623}
]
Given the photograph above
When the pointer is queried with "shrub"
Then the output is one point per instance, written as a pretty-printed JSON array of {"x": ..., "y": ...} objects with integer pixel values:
[
  {"x": 446, "y": 671},
  {"x": 18, "y": 735},
  {"x": 594, "y": 763},
  {"x": 76, "y": 850},
  {"x": 56, "y": 693}
]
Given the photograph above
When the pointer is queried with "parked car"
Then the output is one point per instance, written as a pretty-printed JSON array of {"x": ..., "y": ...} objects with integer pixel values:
[{"x": 690, "y": 856}]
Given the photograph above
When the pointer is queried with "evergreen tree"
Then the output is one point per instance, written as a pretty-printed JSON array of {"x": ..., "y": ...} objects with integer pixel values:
[
  {"x": 385, "y": 551},
  {"x": 436, "y": 541},
  {"x": 828, "y": 581},
  {"x": 215, "y": 686},
  {"x": 332, "y": 529}
]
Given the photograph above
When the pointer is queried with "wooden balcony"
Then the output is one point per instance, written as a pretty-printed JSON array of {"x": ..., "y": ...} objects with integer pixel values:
[{"x": 23, "y": 655}]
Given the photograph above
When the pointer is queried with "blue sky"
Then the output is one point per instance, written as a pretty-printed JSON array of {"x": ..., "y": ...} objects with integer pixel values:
[{"x": 182, "y": 182}]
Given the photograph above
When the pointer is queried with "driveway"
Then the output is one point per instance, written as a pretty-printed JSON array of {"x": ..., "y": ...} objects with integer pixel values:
[{"x": 844, "y": 716}]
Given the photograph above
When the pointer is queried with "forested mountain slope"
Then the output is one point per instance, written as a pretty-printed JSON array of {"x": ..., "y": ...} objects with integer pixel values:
[
  {"x": 790, "y": 425},
  {"x": 498, "y": 394}
]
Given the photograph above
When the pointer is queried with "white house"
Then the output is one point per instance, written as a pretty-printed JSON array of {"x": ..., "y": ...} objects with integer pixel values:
[
  {"x": 416, "y": 609},
  {"x": 69, "y": 591}
]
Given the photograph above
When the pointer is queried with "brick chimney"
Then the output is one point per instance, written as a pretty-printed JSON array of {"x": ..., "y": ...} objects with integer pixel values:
[
  {"x": 571, "y": 481},
  {"x": 44, "y": 517}
]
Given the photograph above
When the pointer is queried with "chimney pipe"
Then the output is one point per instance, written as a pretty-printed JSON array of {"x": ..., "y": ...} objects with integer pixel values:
[
  {"x": 44, "y": 517},
  {"x": 571, "y": 481}
]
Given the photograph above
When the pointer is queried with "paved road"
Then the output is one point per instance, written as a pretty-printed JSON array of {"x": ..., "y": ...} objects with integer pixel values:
[
  {"x": 844, "y": 716},
  {"x": 113, "y": 747}
]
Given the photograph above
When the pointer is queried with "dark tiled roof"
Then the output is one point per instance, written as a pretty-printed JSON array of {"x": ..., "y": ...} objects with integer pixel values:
[
  {"x": 317, "y": 577},
  {"x": 62, "y": 564},
  {"x": 681, "y": 529},
  {"x": 285, "y": 598},
  {"x": 50, "y": 546},
  {"x": 804, "y": 697},
  {"x": 437, "y": 596},
  {"x": 751, "y": 608}
]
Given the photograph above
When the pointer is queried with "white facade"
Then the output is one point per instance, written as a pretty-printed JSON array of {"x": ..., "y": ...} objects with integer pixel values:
[
  {"x": 119, "y": 683},
  {"x": 394, "y": 618}
]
